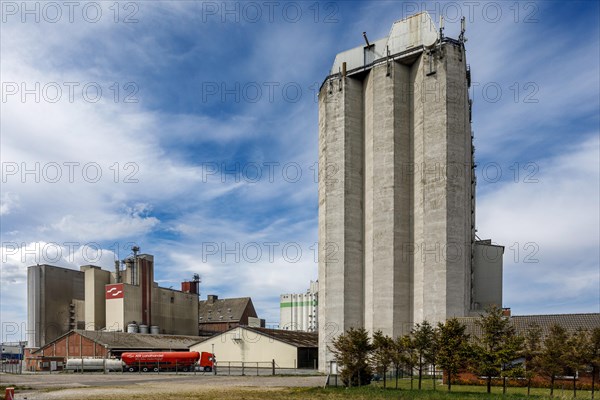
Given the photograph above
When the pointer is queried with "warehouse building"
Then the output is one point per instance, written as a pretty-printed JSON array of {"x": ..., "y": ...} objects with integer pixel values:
[
  {"x": 522, "y": 323},
  {"x": 60, "y": 300},
  {"x": 81, "y": 344},
  {"x": 299, "y": 312},
  {"x": 251, "y": 345}
]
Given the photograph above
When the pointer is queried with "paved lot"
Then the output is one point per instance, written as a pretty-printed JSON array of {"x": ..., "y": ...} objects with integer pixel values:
[{"x": 77, "y": 386}]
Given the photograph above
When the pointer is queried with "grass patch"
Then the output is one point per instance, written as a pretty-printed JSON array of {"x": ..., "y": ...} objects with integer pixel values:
[{"x": 363, "y": 393}]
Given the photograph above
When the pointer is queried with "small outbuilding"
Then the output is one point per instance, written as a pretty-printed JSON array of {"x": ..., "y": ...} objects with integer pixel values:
[{"x": 244, "y": 344}]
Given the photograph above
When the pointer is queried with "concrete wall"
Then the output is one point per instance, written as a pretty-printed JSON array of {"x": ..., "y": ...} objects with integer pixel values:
[
  {"x": 175, "y": 312},
  {"x": 50, "y": 294},
  {"x": 395, "y": 195},
  {"x": 125, "y": 310},
  {"x": 487, "y": 275},
  {"x": 240, "y": 345},
  {"x": 387, "y": 199},
  {"x": 341, "y": 273},
  {"x": 95, "y": 302}
]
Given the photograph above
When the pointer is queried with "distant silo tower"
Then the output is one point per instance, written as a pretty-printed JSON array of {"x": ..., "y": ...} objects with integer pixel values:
[{"x": 396, "y": 187}]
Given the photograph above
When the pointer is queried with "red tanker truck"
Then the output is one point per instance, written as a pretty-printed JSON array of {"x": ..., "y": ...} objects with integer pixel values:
[{"x": 167, "y": 361}]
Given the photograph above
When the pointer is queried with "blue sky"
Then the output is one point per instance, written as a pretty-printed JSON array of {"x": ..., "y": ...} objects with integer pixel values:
[{"x": 208, "y": 113}]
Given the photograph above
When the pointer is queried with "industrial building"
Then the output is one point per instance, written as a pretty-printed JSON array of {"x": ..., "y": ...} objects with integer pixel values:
[
  {"x": 397, "y": 195},
  {"x": 55, "y": 302},
  {"x": 127, "y": 299},
  {"x": 299, "y": 312},
  {"x": 252, "y": 345},
  {"x": 219, "y": 315},
  {"x": 81, "y": 344}
]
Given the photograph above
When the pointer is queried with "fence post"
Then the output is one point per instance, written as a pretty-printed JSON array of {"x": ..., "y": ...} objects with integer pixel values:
[
  {"x": 273, "y": 366},
  {"x": 242, "y": 368}
]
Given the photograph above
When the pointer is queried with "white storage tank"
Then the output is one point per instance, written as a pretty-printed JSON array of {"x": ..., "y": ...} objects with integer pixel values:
[
  {"x": 93, "y": 364},
  {"x": 144, "y": 329},
  {"x": 132, "y": 328},
  {"x": 155, "y": 330}
]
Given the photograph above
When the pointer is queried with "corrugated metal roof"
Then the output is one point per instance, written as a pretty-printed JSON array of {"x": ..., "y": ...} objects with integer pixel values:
[
  {"x": 294, "y": 338},
  {"x": 571, "y": 322},
  {"x": 123, "y": 340},
  {"x": 135, "y": 341}
]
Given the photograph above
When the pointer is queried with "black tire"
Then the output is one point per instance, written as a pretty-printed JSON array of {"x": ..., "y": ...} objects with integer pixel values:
[
  {"x": 155, "y": 369},
  {"x": 145, "y": 369},
  {"x": 207, "y": 369},
  {"x": 131, "y": 369},
  {"x": 184, "y": 369}
]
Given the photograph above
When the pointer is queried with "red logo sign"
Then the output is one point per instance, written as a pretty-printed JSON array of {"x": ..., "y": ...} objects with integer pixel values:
[{"x": 114, "y": 291}]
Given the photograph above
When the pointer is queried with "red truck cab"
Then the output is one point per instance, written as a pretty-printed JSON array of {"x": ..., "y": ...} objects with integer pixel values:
[{"x": 207, "y": 361}]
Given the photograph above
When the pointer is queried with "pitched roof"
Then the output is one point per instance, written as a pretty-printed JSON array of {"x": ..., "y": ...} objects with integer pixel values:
[
  {"x": 294, "y": 338},
  {"x": 571, "y": 322},
  {"x": 135, "y": 341},
  {"x": 223, "y": 310}
]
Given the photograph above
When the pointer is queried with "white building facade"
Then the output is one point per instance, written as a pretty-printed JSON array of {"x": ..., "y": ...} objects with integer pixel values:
[{"x": 299, "y": 312}]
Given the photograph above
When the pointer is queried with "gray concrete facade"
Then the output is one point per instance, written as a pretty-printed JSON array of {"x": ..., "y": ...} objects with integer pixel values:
[
  {"x": 51, "y": 296},
  {"x": 396, "y": 187}
]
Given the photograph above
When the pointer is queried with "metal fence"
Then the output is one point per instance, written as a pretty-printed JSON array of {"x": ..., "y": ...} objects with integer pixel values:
[
  {"x": 258, "y": 368},
  {"x": 12, "y": 366},
  {"x": 227, "y": 368},
  {"x": 334, "y": 379}
]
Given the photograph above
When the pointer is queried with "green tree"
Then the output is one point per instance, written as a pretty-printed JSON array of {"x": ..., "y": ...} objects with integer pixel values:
[
  {"x": 552, "y": 359},
  {"x": 351, "y": 350},
  {"x": 498, "y": 346},
  {"x": 433, "y": 353},
  {"x": 532, "y": 346},
  {"x": 405, "y": 345},
  {"x": 400, "y": 354},
  {"x": 454, "y": 350},
  {"x": 595, "y": 356},
  {"x": 423, "y": 337},
  {"x": 382, "y": 356},
  {"x": 579, "y": 354}
]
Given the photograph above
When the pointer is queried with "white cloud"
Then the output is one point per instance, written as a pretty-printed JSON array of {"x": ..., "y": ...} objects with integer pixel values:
[
  {"x": 550, "y": 230},
  {"x": 8, "y": 202}
]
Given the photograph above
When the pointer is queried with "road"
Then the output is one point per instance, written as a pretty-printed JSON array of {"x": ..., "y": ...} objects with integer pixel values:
[{"x": 82, "y": 386}]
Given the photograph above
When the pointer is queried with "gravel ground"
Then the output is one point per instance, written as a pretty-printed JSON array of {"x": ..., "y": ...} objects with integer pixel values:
[{"x": 116, "y": 386}]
